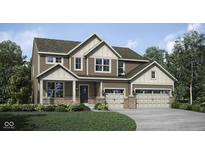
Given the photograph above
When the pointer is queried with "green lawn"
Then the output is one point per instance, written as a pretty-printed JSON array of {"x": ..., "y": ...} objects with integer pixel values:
[{"x": 76, "y": 121}]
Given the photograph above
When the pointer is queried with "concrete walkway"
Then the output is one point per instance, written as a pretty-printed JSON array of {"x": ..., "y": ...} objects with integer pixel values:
[{"x": 166, "y": 119}]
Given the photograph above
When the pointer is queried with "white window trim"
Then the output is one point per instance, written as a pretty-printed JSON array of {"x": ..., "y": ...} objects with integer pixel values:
[
  {"x": 84, "y": 85},
  {"x": 123, "y": 68},
  {"x": 75, "y": 69},
  {"x": 116, "y": 88},
  {"x": 110, "y": 65},
  {"x": 154, "y": 89},
  {"x": 55, "y": 84},
  {"x": 155, "y": 75},
  {"x": 54, "y": 60}
]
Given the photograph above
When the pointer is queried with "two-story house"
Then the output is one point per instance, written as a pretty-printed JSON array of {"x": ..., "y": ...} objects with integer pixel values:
[{"x": 84, "y": 72}]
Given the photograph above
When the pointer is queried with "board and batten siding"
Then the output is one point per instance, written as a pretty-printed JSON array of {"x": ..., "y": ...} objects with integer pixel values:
[{"x": 161, "y": 78}]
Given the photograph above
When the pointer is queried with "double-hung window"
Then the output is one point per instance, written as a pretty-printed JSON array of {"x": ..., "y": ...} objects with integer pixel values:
[
  {"x": 153, "y": 74},
  {"x": 78, "y": 63},
  {"x": 54, "y": 89},
  {"x": 58, "y": 59},
  {"x": 121, "y": 67},
  {"x": 102, "y": 65}
]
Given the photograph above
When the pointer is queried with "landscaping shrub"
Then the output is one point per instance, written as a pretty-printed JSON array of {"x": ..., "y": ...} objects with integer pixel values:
[
  {"x": 183, "y": 106},
  {"x": 175, "y": 105},
  {"x": 196, "y": 107},
  {"x": 49, "y": 108},
  {"x": 28, "y": 107},
  {"x": 81, "y": 107},
  {"x": 16, "y": 107},
  {"x": 101, "y": 106},
  {"x": 5, "y": 107},
  {"x": 203, "y": 109},
  {"x": 60, "y": 108},
  {"x": 40, "y": 107}
]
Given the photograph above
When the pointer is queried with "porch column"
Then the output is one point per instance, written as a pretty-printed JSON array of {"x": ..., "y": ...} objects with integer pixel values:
[
  {"x": 101, "y": 89},
  {"x": 74, "y": 88},
  {"x": 131, "y": 91},
  {"x": 41, "y": 91}
]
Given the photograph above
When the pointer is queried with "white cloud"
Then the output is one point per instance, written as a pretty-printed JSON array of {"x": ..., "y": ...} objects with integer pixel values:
[
  {"x": 195, "y": 27},
  {"x": 23, "y": 38},
  {"x": 132, "y": 44}
]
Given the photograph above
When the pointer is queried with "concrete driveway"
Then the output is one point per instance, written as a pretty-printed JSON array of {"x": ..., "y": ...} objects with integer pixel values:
[{"x": 166, "y": 119}]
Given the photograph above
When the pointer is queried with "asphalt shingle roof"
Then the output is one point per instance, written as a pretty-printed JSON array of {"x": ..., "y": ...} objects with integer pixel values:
[{"x": 63, "y": 46}]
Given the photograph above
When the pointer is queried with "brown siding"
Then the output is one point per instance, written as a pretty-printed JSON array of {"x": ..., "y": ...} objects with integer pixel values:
[
  {"x": 91, "y": 69},
  {"x": 68, "y": 89},
  {"x": 33, "y": 76},
  {"x": 44, "y": 66},
  {"x": 117, "y": 85},
  {"x": 83, "y": 72}
]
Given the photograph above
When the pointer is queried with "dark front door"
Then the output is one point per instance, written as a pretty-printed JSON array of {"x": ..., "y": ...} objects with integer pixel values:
[{"x": 83, "y": 94}]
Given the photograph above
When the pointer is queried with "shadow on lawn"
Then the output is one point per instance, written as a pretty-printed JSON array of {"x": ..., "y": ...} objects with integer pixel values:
[{"x": 20, "y": 121}]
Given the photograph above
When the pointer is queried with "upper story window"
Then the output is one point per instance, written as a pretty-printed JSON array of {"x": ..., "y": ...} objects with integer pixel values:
[
  {"x": 121, "y": 67},
  {"x": 102, "y": 65},
  {"x": 50, "y": 59},
  {"x": 78, "y": 63},
  {"x": 153, "y": 74},
  {"x": 53, "y": 60},
  {"x": 58, "y": 59}
]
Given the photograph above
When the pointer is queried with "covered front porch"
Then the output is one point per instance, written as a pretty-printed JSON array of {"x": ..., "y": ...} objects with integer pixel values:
[{"x": 69, "y": 92}]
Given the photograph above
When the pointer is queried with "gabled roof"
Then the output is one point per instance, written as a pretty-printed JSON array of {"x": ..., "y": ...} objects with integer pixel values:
[
  {"x": 100, "y": 45},
  {"x": 54, "y": 67},
  {"x": 53, "y": 45},
  {"x": 45, "y": 45},
  {"x": 143, "y": 67}
]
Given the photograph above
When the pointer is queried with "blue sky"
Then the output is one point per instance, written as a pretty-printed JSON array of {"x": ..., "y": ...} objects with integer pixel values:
[{"x": 136, "y": 36}]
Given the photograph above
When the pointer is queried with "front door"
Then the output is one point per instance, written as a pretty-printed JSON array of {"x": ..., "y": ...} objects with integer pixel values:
[{"x": 83, "y": 94}]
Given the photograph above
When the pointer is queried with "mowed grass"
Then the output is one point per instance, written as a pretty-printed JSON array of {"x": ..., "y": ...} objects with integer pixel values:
[{"x": 68, "y": 121}]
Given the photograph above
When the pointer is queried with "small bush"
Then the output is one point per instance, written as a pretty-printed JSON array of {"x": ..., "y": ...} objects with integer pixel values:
[
  {"x": 16, "y": 107},
  {"x": 183, "y": 106},
  {"x": 81, "y": 107},
  {"x": 175, "y": 105},
  {"x": 101, "y": 106},
  {"x": 189, "y": 107},
  {"x": 5, "y": 107},
  {"x": 196, "y": 107},
  {"x": 60, "y": 108},
  {"x": 28, "y": 107},
  {"x": 203, "y": 109},
  {"x": 39, "y": 107},
  {"x": 49, "y": 108}
]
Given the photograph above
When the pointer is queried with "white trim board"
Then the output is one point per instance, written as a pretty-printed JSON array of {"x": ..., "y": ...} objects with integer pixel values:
[{"x": 81, "y": 65}]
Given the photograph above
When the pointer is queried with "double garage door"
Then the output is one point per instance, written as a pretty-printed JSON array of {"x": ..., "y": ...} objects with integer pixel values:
[{"x": 152, "y": 100}]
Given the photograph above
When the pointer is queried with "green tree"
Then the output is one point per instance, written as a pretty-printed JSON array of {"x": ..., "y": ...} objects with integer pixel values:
[
  {"x": 12, "y": 64},
  {"x": 187, "y": 63},
  {"x": 156, "y": 54}
]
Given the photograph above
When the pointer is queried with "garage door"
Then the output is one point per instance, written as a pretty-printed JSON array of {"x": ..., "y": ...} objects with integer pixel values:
[{"x": 152, "y": 100}]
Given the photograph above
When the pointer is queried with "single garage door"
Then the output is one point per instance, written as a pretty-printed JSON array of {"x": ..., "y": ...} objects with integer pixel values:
[{"x": 152, "y": 98}]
